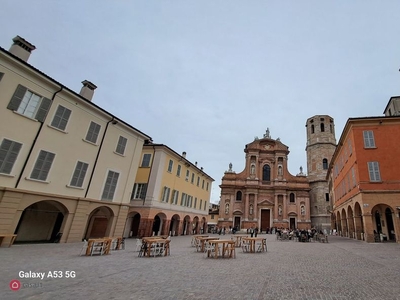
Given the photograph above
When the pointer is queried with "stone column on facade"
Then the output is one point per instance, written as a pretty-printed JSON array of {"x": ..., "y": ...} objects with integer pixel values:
[
  {"x": 276, "y": 215},
  {"x": 165, "y": 230},
  {"x": 368, "y": 227},
  {"x": 285, "y": 209},
  {"x": 246, "y": 208},
  {"x": 255, "y": 211}
]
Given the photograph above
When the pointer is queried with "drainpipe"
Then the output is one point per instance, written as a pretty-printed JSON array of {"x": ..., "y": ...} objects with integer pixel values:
[
  {"x": 34, "y": 141},
  {"x": 97, "y": 157}
]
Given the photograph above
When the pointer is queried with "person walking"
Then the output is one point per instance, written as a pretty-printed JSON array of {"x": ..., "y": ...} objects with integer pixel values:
[
  {"x": 255, "y": 232},
  {"x": 251, "y": 231}
]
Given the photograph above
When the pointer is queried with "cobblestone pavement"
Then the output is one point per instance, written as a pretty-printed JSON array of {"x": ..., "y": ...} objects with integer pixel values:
[{"x": 340, "y": 269}]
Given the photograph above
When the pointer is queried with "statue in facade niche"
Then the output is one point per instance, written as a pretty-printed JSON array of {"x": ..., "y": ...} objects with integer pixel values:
[
  {"x": 227, "y": 208},
  {"x": 252, "y": 169},
  {"x": 280, "y": 210}
]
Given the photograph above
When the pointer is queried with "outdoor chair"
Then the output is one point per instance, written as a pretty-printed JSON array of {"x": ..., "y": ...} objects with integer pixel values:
[
  {"x": 98, "y": 248},
  {"x": 84, "y": 247},
  {"x": 139, "y": 244}
]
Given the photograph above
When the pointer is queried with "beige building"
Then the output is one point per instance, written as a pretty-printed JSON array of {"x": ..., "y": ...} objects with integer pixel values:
[
  {"x": 66, "y": 165},
  {"x": 171, "y": 195}
]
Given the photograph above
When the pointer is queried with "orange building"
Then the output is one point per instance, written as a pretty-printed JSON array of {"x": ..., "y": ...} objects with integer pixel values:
[{"x": 364, "y": 179}]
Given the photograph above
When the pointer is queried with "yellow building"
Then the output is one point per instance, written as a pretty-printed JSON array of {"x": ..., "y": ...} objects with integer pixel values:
[
  {"x": 171, "y": 195},
  {"x": 66, "y": 165}
]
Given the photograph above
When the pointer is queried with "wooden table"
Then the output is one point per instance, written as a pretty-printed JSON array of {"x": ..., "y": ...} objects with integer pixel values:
[
  {"x": 225, "y": 244},
  {"x": 194, "y": 237},
  {"x": 204, "y": 239},
  {"x": 119, "y": 242},
  {"x": 238, "y": 239},
  {"x": 5, "y": 236},
  {"x": 252, "y": 241},
  {"x": 106, "y": 241},
  {"x": 149, "y": 241}
]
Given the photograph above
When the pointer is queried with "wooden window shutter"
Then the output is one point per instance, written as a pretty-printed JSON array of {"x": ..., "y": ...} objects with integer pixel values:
[
  {"x": 17, "y": 97},
  {"x": 43, "y": 110}
]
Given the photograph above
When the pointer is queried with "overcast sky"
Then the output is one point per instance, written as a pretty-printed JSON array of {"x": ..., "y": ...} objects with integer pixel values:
[{"x": 206, "y": 77}]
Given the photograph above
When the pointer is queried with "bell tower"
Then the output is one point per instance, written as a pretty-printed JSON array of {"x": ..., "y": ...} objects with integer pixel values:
[{"x": 321, "y": 144}]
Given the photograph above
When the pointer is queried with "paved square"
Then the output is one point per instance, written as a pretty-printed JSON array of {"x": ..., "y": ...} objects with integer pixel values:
[{"x": 341, "y": 269}]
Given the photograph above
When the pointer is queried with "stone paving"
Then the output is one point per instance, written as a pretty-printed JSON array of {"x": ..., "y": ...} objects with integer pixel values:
[{"x": 340, "y": 269}]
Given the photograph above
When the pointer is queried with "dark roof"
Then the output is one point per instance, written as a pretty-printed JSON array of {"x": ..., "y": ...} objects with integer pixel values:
[{"x": 71, "y": 91}]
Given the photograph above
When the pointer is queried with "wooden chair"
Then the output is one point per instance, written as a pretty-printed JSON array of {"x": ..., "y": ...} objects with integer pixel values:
[{"x": 98, "y": 248}]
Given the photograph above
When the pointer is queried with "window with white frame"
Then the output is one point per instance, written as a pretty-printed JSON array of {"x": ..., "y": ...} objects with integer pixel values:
[
  {"x": 192, "y": 181},
  {"x": 121, "y": 145},
  {"x": 205, "y": 205},
  {"x": 146, "y": 160},
  {"x": 207, "y": 186},
  {"x": 178, "y": 171},
  {"x": 373, "y": 169},
  {"x": 61, "y": 117},
  {"x": 170, "y": 165},
  {"x": 189, "y": 201},
  {"x": 29, "y": 104},
  {"x": 183, "y": 199},
  {"x": 110, "y": 186},
  {"x": 9, "y": 151},
  {"x": 165, "y": 194},
  {"x": 202, "y": 185},
  {"x": 174, "y": 198},
  {"x": 198, "y": 181},
  {"x": 187, "y": 175},
  {"x": 93, "y": 132},
  {"x": 201, "y": 203},
  {"x": 353, "y": 175},
  {"x": 42, "y": 165},
  {"x": 369, "y": 141},
  {"x": 79, "y": 174},
  {"x": 139, "y": 191},
  {"x": 195, "y": 202}
]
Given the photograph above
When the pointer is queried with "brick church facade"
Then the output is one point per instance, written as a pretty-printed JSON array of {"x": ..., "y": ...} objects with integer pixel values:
[{"x": 266, "y": 195}]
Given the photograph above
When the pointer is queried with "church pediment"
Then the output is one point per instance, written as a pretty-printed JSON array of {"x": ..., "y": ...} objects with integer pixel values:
[
  {"x": 266, "y": 202},
  {"x": 237, "y": 212}
]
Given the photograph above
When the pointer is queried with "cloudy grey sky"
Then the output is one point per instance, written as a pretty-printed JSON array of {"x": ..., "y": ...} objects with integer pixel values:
[{"x": 206, "y": 77}]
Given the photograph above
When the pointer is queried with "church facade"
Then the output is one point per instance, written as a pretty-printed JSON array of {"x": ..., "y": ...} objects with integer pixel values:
[{"x": 266, "y": 195}]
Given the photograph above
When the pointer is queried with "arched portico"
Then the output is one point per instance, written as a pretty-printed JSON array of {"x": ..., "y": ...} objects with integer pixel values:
[
  {"x": 132, "y": 224},
  {"x": 358, "y": 221},
  {"x": 350, "y": 222},
  {"x": 99, "y": 222},
  {"x": 345, "y": 231},
  {"x": 41, "y": 222},
  {"x": 174, "y": 225}
]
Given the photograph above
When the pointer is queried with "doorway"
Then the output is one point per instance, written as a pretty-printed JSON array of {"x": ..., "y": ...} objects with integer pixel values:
[
  {"x": 292, "y": 223},
  {"x": 389, "y": 223},
  {"x": 265, "y": 219},
  {"x": 236, "y": 223}
]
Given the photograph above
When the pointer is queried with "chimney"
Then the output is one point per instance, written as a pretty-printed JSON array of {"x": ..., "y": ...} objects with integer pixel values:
[
  {"x": 21, "y": 48},
  {"x": 87, "y": 90},
  {"x": 184, "y": 154}
]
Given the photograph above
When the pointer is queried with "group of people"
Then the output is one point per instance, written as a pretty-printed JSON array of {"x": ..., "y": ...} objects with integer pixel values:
[{"x": 302, "y": 235}]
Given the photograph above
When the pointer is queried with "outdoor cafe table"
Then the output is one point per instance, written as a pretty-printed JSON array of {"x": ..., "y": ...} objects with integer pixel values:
[
  {"x": 224, "y": 243},
  {"x": 194, "y": 237},
  {"x": 107, "y": 242},
  {"x": 204, "y": 239},
  {"x": 150, "y": 241},
  {"x": 238, "y": 239},
  {"x": 252, "y": 241},
  {"x": 118, "y": 242}
]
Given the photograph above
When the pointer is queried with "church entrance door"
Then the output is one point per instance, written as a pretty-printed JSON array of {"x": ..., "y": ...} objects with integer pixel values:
[{"x": 265, "y": 219}]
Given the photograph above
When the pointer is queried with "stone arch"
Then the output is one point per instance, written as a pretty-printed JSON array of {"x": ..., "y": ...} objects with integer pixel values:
[
  {"x": 350, "y": 222},
  {"x": 338, "y": 223},
  {"x": 42, "y": 221},
  {"x": 132, "y": 224},
  {"x": 174, "y": 225},
  {"x": 383, "y": 218},
  {"x": 99, "y": 222},
  {"x": 358, "y": 221},
  {"x": 186, "y": 225},
  {"x": 159, "y": 224},
  {"x": 196, "y": 225},
  {"x": 345, "y": 231}
]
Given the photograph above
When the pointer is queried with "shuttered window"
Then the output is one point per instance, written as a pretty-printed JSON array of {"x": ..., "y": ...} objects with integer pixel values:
[
  {"x": 61, "y": 117},
  {"x": 121, "y": 145},
  {"x": 373, "y": 169},
  {"x": 29, "y": 104},
  {"x": 110, "y": 186},
  {"x": 139, "y": 191},
  {"x": 79, "y": 174},
  {"x": 8, "y": 155},
  {"x": 42, "y": 166},
  {"x": 93, "y": 132},
  {"x": 369, "y": 141}
]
